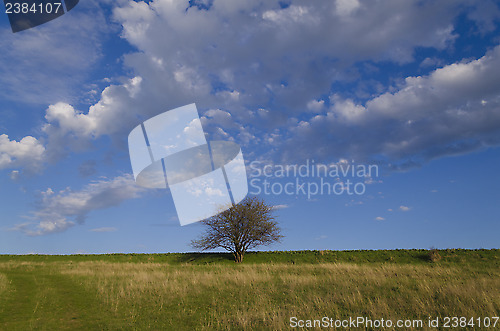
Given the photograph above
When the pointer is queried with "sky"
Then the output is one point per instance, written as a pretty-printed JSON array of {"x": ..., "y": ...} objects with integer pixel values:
[{"x": 411, "y": 88}]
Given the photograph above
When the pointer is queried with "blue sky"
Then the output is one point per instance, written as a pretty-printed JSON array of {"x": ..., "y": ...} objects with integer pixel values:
[{"x": 411, "y": 86}]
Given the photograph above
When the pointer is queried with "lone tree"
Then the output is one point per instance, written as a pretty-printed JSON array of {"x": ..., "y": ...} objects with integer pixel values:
[{"x": 243, "y": 226}]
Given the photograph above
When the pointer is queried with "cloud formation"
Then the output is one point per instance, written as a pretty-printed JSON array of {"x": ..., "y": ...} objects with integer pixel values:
[
  {"x": 266, "y": 74},
  {"x": 26, "y": 153},
  {"x": 58, "y": 211},
  {"x": 454, "y": 109},
  {"x": 262, "y": 74},
  {"x": 47, "y": 64},
  {"x": 260, "y": 68},
  {"x": 250, "y": 53}
]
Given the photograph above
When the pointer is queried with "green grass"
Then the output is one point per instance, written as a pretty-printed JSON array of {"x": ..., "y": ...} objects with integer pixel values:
[
  {"x": 208, "y": 291},
  {"x": 4, "y": 283}
]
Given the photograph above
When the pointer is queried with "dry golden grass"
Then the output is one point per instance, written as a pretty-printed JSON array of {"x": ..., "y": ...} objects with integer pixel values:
[
  {"x": 209, "y": 292},
  {"x": 267, "y": 295}
]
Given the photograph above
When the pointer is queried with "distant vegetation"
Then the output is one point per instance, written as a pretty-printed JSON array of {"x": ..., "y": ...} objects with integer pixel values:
[{"x": 209, "y": 291}]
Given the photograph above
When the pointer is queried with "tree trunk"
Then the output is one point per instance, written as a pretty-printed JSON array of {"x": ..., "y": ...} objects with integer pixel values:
[{"x": 238, "y": 257}]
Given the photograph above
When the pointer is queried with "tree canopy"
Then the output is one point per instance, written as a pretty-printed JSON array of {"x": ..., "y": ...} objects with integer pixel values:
[{"x": 244, "y": 226}]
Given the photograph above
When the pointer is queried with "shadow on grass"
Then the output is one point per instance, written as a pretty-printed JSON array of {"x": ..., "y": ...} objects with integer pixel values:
[
  {"x": 429, "y": 256},
  {"x": 201, "y": 258},
  {"x": 423, "y": 257}
]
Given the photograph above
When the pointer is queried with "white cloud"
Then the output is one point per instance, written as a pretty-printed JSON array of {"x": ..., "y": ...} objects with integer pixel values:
[
  {"x": 70, "y": 120},
  {"x": 68, "y": 128},
  {"x": 379, "y": 218},
  {"x": 346, "y": 109},
  {"x": 218, "y": 118},
  {"x": 283, "y": 206},
  {"x": 346, "y": 7},
  {"x": 59, "y": 211},
  {"x": 27, "y": 153},
  {"x": 291, "y": 15},
  {"x": 316, "y": 105},
  {"x": 404, "y": 208},
  {"x": 213, "y": 192},
  {"x": 454, "y": 109},
  {"x": 203, "y": 38},
  {"x": 244, "y": 47},
  {"x": 238, "y": 56}
]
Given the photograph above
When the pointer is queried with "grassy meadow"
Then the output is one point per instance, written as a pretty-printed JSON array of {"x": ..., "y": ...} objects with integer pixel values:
[{"x": 210, "y": 292}]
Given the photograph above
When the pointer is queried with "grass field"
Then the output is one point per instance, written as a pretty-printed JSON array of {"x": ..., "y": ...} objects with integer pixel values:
[{"x": 209, "y": 291}]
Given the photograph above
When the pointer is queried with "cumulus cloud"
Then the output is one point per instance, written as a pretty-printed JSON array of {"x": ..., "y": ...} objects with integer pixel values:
[
  {"x": 404, "y": 208},
  {"x": 259, "y": 73},
  {"x": 27, "y": 153},
  {"x": 58, "y": 211},
  {"x": 262, "y": 73},
  {"x": 289, "y": 57},
  {"x": 379, "y": 218},
  {"x": 454, "y": 109},
  {"x": 243, "y": 53},
  {"x": 236, "y": 32}
]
